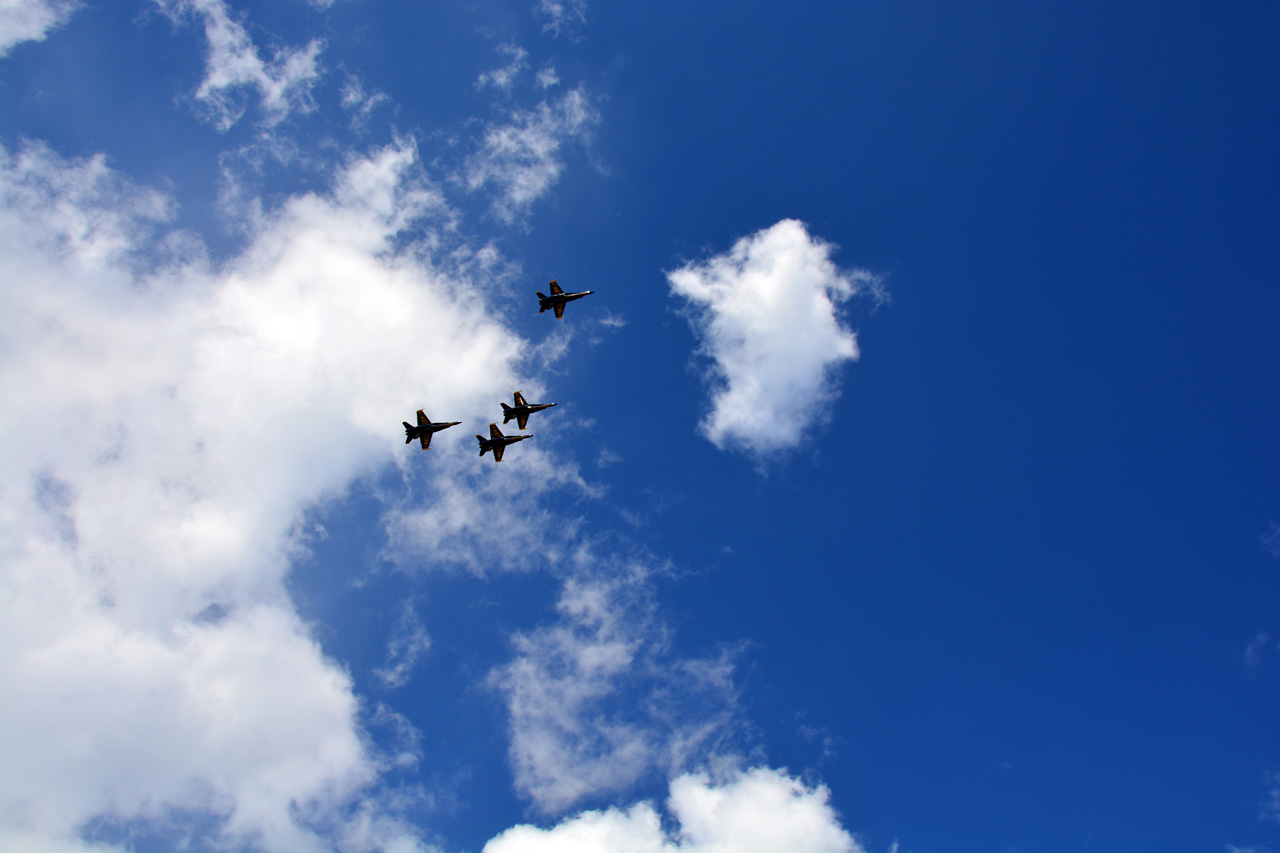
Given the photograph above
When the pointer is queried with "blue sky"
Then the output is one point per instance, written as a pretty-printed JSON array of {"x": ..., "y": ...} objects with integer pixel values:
[{"x": 913, "y": 483}]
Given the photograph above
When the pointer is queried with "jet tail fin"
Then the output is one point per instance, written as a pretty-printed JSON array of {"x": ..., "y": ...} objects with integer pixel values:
[
  {"x": 483, "y": 449},
  {"x": 408, "y": 432}
]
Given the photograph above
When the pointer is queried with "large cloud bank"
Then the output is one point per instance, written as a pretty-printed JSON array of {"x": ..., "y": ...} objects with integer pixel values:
[
  {"x": 166, "y": 426},
  {"x": 761, "y": 811},
  {"x": 767, "y": 315}
]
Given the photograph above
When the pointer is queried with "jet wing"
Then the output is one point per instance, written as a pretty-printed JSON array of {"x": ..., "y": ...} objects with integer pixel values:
[
  {"x": 559, "y": 310},
  {"x": 423, "y": 420},
  {"x": 555, "y": 289},
  {"x": 523, "y": 420},
  {"x": 497, "y": 452},
  {"x": 520, "y": 399},
  {"x": 494, "y": 432},
  {"x": 425, "y": 438}
]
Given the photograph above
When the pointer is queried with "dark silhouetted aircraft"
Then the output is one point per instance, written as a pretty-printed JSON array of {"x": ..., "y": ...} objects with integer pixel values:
[
  {"x": 424, "y": 429},
  {"x": 521, "y": 410},
  {"x": 497, "y": 442},
  {"x": 557, "y": 299}
]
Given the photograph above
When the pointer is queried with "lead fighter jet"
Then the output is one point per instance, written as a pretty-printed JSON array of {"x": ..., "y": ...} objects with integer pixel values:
[
  {"x": 424, "y": 430},
  {"x": 557, "y": 299},
  {"x": 521, "y": 410},
  {"x": 497, "y": 442}
]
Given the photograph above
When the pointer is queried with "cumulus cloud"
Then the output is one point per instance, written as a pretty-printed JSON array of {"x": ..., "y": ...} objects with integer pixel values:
[
  {"x": 167, "y": 425},
  {"x": 31, "y": 20},
  {"x": 233, "y": 66},
  {"x": 521, "y": 158},
  {"x": 767, "y": 315},
  {"x": 760, "y": 811},
  {"x": 597, "y": 700}
]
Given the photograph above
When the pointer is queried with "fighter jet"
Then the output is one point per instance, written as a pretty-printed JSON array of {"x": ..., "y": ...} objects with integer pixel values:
[
  {"x": 497, "y": 442},
  {"x": 424, "y": 429},
  {"x": 557, "y": 299},
  {"x": 521, "y": 410}
]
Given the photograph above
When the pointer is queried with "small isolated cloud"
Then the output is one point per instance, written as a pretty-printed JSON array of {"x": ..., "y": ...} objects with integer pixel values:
[
  {"x": 360, "y": 103},
  {"x": 31, "y": 20},
  {"x": 767, "y": 315},
  {"x": 559, "y": 15},
  {"x": 233, "y": 66},
  {"x": 521, "y": 158},
  {"x": 760, "y": 811},
  {"x": 1253, "y": 651},
  {"x": 547, "y": 77},
  {"x": 1270, "y": 541},
  {"x": 596, "y": 701},
  {"x": 408, "y": 643},
  {"x": 502, "y": 78}
]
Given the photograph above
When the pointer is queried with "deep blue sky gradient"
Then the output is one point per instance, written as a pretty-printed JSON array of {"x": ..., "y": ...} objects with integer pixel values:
[{"x": 1014, "y": 574}]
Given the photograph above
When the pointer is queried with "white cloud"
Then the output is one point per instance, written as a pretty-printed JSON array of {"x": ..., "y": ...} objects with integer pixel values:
[
  {"x": 522, "y": 157},
  {"x": 360, "y": 103},
  {"x": 760, "y": 811},
  {"x": 767, "y": 315},
  {"x": 504, "y": 77},
  {"x": 408, "y": 642},
  {"x": 560, "y": 15},
  {"x": 597, "y": 700},
  {"x": 167, "y": 424},
  {"x": 547, "y": 77},
  {"x": 1270, "y": 541},
  {"x": 233, "y": 65},
  {"x": 487, "y": 517},
  {"x": 1253, "y": 651},
  {"x": 31, "y": 20}
]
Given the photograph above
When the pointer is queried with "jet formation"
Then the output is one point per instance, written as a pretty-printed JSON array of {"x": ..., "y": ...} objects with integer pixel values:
[{"x": 497, "y": 442}]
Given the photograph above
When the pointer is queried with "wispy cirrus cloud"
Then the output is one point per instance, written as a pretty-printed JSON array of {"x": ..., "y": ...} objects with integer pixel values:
[
  {"x": 758, "y": 811},
  {"x": 234, "y": 67},
  {"x": 561, "y": 15},
  {"x": 1270, "y": 541},
  {"x": 597, "y": 700},
  {"x": 767, "y": 315},
  {"x": 522, "y": 157},
  {"x": 408, "y": 642},
  {"x": 503, "y": 78}
]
